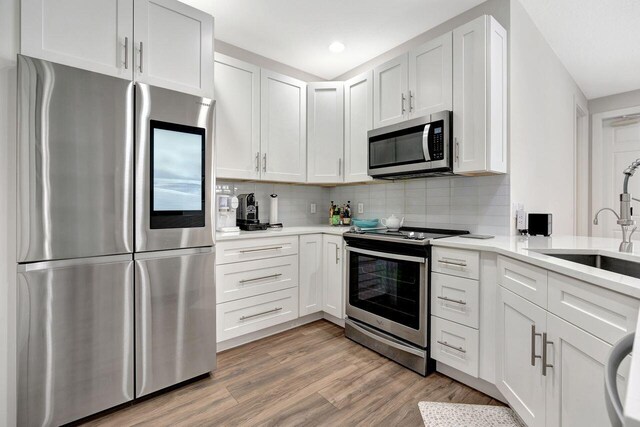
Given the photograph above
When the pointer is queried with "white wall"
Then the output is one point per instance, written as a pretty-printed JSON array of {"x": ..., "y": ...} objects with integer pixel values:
[
  {"x": 543, "y": 96},
  {"x": 9, "y": 28},
  {"x": 614, "y": 102}
]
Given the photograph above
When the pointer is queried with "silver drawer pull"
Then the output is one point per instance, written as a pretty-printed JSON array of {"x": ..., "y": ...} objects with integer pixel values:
[
  {"x": 271, "y": 276},
  {"x": 452, "y": 300},
  {"x": 446, "y": 344},
  {"x": 456, "y": 263},
  {"x": 260, "y": 314},
  {"x": 274, "y": 248}
]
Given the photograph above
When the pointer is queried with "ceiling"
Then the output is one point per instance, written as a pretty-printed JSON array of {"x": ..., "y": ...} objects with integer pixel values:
[
  {"x": 298, "y": 32},
  {"x": 597, "y": 41}
]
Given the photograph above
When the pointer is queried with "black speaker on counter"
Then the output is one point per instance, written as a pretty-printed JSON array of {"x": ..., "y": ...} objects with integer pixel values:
[{"x": 540, "y": 224}]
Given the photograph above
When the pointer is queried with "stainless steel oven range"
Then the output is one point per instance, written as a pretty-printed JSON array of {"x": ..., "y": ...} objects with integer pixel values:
[{"x": 387, "y": 301}]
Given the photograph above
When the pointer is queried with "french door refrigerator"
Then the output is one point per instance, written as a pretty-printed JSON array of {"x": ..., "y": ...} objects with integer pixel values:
[{"x": 116, "y": 292}]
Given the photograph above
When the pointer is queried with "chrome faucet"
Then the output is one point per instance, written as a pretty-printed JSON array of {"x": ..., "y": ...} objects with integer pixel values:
[{"x": 625, "y": 219}]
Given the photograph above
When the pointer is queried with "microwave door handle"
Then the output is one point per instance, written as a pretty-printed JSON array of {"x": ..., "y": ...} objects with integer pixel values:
[{"x": 425, "y": 142}]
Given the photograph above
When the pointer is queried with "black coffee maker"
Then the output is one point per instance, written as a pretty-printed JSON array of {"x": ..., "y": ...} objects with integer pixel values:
[{"x": 247, "y": 216}]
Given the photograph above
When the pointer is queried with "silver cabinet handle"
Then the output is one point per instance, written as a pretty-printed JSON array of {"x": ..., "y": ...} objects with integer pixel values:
[
  {"x": 258, "y": 161},
  {"x": 339, "y": 167},
  {"x": 126, "y": 53},
  {"x": 545, "y": 365},
  {"x": 402, "y": 99},
  {"x": 410, "y": 101},
  {"x": 534, "y": 356},
  {"x": 273, "y": 248},
  {"x": 457, "y": 150},
  {"x": 261, "y": 313},
  {"x": 264, "y": 162},
  {"x": 140, "y": 51},
  {"x": 456, "y": 263},
  {"x": 446, "y": 344},
  {"x": 452, "y": 300},
  {"x": 255, "y": 279},
  {"x": 337, "y": 255}
]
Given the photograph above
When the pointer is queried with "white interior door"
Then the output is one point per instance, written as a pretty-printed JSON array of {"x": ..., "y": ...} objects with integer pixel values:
[
  {"x": 616, "y": 144},
  {"x": 237, "y": 89}
]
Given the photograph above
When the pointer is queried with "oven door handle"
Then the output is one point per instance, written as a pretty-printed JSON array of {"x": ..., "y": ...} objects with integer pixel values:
[
  {"x": 386, "y": 255},
  {"x": 390, "y": 343},
  {"x": 425, "y": 142}
]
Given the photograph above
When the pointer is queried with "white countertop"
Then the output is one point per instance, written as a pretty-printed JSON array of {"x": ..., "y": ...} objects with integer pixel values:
[{"x": 285, "y": 231}]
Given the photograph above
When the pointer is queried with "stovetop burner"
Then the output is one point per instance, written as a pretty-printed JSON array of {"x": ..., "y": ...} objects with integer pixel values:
[{"x": 413, "y": 235}]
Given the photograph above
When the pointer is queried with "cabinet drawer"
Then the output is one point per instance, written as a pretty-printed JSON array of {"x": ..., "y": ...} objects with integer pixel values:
[
  {"x": 606, "y": 314},
  {"x": 251, "y": 278},
  {"x": 240, "y": 317},
  {"x": 528, "y": 281},
  {"x": 456, "y": 262},
  {"x": 455, "y": 345},
  {"x": 455, "y": 298},
  {"x": 259, "y": 248}
]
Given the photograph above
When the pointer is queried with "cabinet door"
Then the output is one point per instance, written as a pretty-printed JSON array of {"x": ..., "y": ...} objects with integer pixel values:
[
  {"x": 325, "y": 132},
  {"x": 174, "y": 46},
  {"x": 93, "y": 35},
  {"x": 518, "y": 379},
  {"x": 390, "y": 92},
  {"x": 575, "y": 383},
  {"x": 480, "y": 97},
  {"x": 283, "y": 136},
  {"x": 237, "y": 89},
  {"x": 358, "y": 120},
  {"x": 469, "y": 90},
  {"x": 431, "y": 76},
  {"x": 310, "y": 284},
  {"x": 333, "y": 295}
]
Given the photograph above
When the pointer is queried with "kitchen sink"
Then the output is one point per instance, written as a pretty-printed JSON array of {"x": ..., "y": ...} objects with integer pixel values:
[{"x": 603, "y": 262}]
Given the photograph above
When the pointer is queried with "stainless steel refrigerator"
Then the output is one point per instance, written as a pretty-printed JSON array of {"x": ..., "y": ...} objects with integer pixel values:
[{"x": 116, "y": 292}]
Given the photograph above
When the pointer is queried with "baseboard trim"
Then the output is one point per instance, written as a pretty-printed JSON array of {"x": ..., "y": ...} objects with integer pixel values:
[
  {"x": 263, "y": 333},
  {"x": 477, "y": 383},
  {"x": 333, "y": 319}
]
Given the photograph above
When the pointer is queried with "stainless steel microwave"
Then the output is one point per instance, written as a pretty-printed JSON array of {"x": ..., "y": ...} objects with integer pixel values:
[{"x": 414, "y": 148}]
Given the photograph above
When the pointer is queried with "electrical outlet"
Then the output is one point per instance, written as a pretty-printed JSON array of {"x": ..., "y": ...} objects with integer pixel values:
[
  {"x": 360, "y": 208},
  {"x": 313, "y": 208},
  {"x": 521, "y": 220}
]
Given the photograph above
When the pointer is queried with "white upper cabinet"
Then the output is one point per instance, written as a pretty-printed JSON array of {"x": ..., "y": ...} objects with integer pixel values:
[
  {"x": 480, "y": 97},
  {"x": 390, "y": 92},
  {"x": 325, "y": 124},
  {"x": 430, "y": 77},
  {"x": 237, "y": 93},
  {"x": 283, "y": 128},
  {"x": 358, "y": 120},
  {"x": 414, "y": 84},
  {"x": 93, "y": 35},
  {"x": 174, "y": 46},
  {"x": 171, "y": 47}
]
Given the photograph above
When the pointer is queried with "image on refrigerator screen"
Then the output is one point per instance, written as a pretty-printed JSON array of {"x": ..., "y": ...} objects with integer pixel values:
[{"x": 177, "y": 170}]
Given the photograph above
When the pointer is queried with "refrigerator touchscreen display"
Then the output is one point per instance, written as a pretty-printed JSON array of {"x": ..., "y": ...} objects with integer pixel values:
[{"x": 177, "y": 175}]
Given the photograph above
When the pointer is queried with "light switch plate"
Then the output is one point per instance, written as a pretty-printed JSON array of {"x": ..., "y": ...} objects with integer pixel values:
[
  {"x": 313, "y": 208},
  {"x": 360, "y": 208}
]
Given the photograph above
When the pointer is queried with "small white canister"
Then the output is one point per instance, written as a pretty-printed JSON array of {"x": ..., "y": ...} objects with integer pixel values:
[{"x": 273, "y": 209}]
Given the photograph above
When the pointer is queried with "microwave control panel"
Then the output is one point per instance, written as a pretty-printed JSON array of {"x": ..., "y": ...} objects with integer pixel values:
[{"x": 437, "y": 141}]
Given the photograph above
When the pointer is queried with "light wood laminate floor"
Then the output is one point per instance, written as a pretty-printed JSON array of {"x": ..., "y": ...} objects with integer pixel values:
[{"x": 311, "y": 375}]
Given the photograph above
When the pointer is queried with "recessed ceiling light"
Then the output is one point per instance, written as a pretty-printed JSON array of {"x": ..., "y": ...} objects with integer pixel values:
[{"x": 336, "y": 47}]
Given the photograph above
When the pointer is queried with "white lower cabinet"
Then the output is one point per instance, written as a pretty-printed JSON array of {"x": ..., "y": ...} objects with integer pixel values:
[
  {"x": 455, "y": 345},
  {"x": 552, "y": 375},
  {"x": 519, "y": 376},
  {"x": 243, "y": 316},
  {"x": 333, "y": 295},
  {"x": 311, "y": 283}
]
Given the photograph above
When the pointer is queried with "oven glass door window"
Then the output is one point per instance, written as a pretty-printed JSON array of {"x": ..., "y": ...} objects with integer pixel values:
[
  {"x": 386, "y": 287},
  {"x": 177, "y": 175}
]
